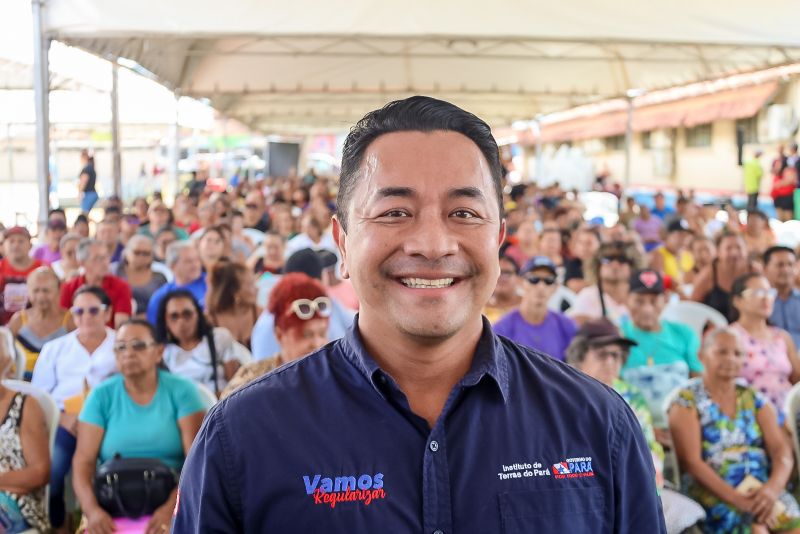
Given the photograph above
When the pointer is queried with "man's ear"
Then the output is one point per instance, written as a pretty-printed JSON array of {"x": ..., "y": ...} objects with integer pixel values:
[
  {"x": 502, "y": 237},
  {"x": 340, "y": 237}
]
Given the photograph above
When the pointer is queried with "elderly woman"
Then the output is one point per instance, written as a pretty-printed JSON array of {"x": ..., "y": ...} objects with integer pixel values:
[
  {"x": 45, "y": 320},
  {"x": 728, "y": 441},
  {"x": 771, "y": 365},
  {"x": 600, "y": 351},
  {"x": 143, "y": 412},
  {"x": 24, "y": 459},
  {"x": 66, "y": 368},
  {"x": 301, "y": 310},
  {"x": 192, "y": 347},
  {"x": 67, "y": 266},
  {"x": 136, "y": 269},
  {"x": 231, "y": 300}
]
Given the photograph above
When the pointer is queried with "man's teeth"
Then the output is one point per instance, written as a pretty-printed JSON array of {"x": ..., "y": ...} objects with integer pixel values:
[{"x": 422, "y": 283}]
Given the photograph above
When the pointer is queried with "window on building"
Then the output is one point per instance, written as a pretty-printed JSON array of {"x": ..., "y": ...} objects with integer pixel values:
[
  {"x": 749, "y": 129},
  {"x": 646, "y": 141},
  {"x": 699, "y": 136},
  {"x": 615, "y": 142}
]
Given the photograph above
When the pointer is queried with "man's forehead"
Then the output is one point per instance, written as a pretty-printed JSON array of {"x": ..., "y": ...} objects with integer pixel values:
[{"x": 425, "y": 159}]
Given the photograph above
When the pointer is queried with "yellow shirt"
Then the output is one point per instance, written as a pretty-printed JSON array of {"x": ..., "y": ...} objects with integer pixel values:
[{"x": 672, "y": 267}]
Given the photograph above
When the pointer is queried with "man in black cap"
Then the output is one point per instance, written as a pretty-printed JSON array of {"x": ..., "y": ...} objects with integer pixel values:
[
  {"x": 672, "y": 258},
  {"x": 666, "y": 354},
  {"x": 263, "y": 341}
]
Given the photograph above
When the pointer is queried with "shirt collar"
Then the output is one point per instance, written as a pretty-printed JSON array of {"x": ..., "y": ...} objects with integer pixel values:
[{"x": 489, "y": 360}]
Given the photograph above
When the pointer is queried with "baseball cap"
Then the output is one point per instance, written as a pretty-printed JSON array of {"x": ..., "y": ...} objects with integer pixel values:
[
  {"x": 678, "y": 225},
  {"x": 17, "y": 230},
  {"x": 539, "y": 262},
  {"x": 647, "y": 281},
  {"x": 304, "y": 261},
  {"x": 603, "y": 332},
  {"x": 327, "y": 258}
]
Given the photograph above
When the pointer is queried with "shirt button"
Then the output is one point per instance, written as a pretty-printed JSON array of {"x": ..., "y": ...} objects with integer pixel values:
[
  {"x": 434, "y": 446},
  {"x": 438, "y": 532}
]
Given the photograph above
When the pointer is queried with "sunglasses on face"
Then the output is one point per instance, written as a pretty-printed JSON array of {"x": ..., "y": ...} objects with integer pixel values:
[
  {"x": 91, "y": 310},
  {"x": 305, "y": 309},
  {"x": 134, "y": 346},
  {"x": 605, "y": 260},
  {"x": 185, "y": 315},
  {"x": 548, "y": 280}
]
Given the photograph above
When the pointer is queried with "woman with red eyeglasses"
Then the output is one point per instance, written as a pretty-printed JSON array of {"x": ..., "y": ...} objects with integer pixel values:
[
  {"x": 301, "y": 310},
  {"x": 67, "y": 368}
]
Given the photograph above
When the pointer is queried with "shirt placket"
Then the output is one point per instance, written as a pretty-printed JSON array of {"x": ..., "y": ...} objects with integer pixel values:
[{"x": 437, "y": 516}]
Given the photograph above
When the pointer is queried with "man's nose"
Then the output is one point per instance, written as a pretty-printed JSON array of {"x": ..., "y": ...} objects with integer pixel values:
[{"x": 431, "y": 238}]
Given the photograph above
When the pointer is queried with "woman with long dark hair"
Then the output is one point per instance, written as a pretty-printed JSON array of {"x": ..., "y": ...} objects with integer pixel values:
[{"x": 192, "y": 347}]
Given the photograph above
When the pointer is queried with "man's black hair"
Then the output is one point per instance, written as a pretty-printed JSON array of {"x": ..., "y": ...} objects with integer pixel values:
[
  {"x": 414, "y": 114},
  {"x": 774, "y": 250}
]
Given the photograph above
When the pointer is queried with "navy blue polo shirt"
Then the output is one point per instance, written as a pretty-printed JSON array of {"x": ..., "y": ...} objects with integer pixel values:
[{"x": 328, "y": 443}]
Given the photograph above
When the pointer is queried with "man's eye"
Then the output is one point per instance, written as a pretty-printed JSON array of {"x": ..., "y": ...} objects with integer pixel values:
[
  {"x": 395, "y": 213},
  {"x": 464, "y": 214}
]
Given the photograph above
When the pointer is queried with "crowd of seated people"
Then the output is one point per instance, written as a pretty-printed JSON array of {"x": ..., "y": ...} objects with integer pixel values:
[{"x": 134, "y": 316}]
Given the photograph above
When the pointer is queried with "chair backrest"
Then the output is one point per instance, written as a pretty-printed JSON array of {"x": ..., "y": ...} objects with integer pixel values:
[
  {"x": 256, "y": 236},
  {"x": 242, "y": 353},
  {"x": 562, "y": 294},
  {"x": 207, "y": 396},
  {"x": 693, "y": 314},
  {"x": 791, "y": 408},
  {"x": 48, "y": 405},
  {"x": 670, "y": 458},
  {"x": 17, "y": 355}
]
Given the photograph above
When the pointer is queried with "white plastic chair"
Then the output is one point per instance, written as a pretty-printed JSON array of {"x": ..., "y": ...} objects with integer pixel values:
[
  {"x": 11, "y": 348},
  {"x": 207, "y": 396},
  {"x": 788, "y": 235},
  {"x": 562, "y": 294},
  {"x": 694, "y": 315},
  {"x": 51, "y": 417},
  {"x": 159, "y": 267},
  {"x": 242, "y": 353},
  {"x": 791, "y": 407},
  {"x": 256, "y": 236}
]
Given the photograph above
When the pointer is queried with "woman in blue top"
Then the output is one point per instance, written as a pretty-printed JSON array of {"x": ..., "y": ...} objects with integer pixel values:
[{"x": 143, "y": 412}]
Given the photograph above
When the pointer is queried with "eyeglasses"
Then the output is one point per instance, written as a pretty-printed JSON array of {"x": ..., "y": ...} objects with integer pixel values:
[
  {"x": 91, "y": 310},
  {"x": 305, "y": 309},
  {"x": 548, "y": 280},
  {"x": 186, "y": 315},
  {"x": 760, "y": 292},
  {"x": 605, "y": 260},
  {"x": 134, "y": 346}
]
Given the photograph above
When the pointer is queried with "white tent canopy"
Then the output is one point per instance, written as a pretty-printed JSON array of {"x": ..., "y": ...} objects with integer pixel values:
[{"x": 299, "y": 64}]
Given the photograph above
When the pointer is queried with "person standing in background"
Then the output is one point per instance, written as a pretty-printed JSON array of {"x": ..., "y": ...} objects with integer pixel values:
[
  {"x": 752, "y": 179},
  {"x": 87, "y": 182}
]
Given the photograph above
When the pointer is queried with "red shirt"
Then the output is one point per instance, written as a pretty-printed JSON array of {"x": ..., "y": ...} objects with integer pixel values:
[
  {"x": 116, "y": 288},
  {"x": 13, "y": 288}
]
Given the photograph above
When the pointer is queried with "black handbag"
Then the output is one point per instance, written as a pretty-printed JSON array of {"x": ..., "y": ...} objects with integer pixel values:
[{"x": 133, "y": 487}]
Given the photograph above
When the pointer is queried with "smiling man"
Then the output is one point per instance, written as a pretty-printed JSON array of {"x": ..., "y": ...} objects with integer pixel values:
[{"x": 420, "y": 419}]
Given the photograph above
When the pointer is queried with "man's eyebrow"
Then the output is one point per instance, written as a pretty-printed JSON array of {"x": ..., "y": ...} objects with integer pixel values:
[
  {"x": 404, "y": 192},
  {"x": 469, "y": 192}
]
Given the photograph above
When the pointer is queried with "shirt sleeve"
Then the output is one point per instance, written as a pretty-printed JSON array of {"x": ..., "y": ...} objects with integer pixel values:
[
  {"x": 44, "y": 371},
  {"x": 637, "y": 505},
  {"x": 208, "y": 500},
  {"x": 95, "y": 408},
  {"x": 692, "y": 350},
  {"x": 186, "y": 397},
  {"x": 66, "y": 296},
  {"x": 122, "y": 302}
]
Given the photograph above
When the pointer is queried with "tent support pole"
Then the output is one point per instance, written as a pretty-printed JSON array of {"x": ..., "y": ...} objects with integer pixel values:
[
  {"x": 41, "y": 91},
  {"x": 115, "y": 152}
]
